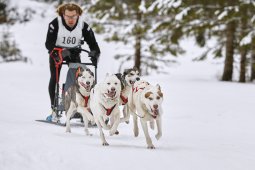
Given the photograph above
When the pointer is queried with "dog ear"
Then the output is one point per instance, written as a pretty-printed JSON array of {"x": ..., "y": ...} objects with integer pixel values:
[
  {"x": 158, "y": 86},
  {"x": 78, "y": 72},
  {"x": 159, "y": 90},
  {"x": 90, "y": 72},
  {"x": 125, "y": 72}
]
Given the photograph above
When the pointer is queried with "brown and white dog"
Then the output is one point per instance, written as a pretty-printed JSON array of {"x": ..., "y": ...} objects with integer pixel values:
[
  {"x": 104, "y": 105},
  {"x": 145, "y": 102},
  {"x": 77, "y": 98}
]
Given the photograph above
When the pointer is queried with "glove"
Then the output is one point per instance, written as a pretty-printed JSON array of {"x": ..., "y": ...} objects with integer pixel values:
[
  {"x": 75, "y": 51},
  {"x": 66, "y": 54},
  {"x": 94, "y": 56}
]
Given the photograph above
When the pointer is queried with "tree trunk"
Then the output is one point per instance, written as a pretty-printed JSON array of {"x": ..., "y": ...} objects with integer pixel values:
[
  {"x": 253, "y": 61},
  {"x": 243, "y": 49},
  {"x": 228, "y": 67},
  {"x": 243, "y": 65},
  {"x": 138, "y": 44}
]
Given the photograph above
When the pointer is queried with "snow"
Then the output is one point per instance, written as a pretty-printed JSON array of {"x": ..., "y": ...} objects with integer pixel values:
[{"x": 207, "y": 124}]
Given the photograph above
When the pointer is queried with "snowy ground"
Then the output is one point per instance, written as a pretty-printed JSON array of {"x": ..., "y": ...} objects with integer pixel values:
[{"x": 207, "y": 124}]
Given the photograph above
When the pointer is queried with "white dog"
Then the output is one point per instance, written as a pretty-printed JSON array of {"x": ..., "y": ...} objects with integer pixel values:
[
  {"x": 104, "y": 105},
  {"x": 77, "y": 98},
  {"x": 145, "y": 102}
]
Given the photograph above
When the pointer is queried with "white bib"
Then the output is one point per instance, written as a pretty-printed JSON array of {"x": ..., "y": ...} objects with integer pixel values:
[{"x": 68, "y": 38}]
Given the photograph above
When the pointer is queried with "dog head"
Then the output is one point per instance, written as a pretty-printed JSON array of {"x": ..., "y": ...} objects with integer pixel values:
[
  {"x": 152, "y": 98},
  {"x": 131, "y": 76},
  {"x": 111, "y": 87},
  {"x": 140, "y": 84},
  {"x": 85, "y": 78}
]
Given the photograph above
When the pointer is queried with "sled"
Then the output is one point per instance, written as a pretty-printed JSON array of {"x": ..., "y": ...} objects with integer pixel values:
[{"x": 58, "y": 106}]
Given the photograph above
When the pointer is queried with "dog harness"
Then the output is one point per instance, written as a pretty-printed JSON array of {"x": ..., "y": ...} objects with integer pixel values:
[
  {"x": 86, "y": 98},
  {"x": 109, "y": 111},
  {"x": 137, "y": 89},
  {"x": 124, "y": 99}
]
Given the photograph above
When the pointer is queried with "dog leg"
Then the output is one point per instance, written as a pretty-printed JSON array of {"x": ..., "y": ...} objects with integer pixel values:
[
  {"x": 68, "y": 116},
  {"x": 159, "y": 127},
  {"x": 115, "y": 125},
  {"x": 152, "y": 124},
  {"x": 86, "y": 124},
  {"x": 112, "y": 123},
  {"x": 147, "y": 136},
  {"x": 136, "y": 130},
  {"x": 126, "y": 114},
  {"x": 102, "y": 123},
  {"x": 85, "y": 114},
  {"x": 104, "y": 143}
]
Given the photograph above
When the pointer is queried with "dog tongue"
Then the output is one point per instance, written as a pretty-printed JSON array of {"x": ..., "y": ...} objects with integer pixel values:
[{"x": 155, "y": 113}]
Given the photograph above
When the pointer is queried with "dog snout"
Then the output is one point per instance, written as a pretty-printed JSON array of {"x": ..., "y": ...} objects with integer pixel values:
[
  {"x": 113, "y": 89},
  {"x": 138, "y": 78},
  {"x": 87, "y": 82},
  {"x": 155, "y": 106}
]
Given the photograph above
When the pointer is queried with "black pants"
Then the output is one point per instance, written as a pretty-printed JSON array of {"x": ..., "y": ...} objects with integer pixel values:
[{"x": 52, "y": 83}]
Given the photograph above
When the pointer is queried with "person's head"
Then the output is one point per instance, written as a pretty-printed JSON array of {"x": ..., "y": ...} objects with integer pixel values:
[{"x": 70, "y": 12}]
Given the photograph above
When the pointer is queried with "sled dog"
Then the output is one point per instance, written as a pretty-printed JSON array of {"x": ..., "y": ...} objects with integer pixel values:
[
  {"x": 128, "y": 78},
  {"x": 145, "y": 102},
  {"x": 77, "y": 98},
  {"x": 104, "y": 105}
]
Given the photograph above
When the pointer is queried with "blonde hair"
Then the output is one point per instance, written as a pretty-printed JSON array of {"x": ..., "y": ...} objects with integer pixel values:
[{"x": 71, "y": 6}]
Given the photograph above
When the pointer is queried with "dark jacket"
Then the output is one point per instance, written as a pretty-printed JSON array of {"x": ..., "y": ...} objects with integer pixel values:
[{"x": 87, "y": 34}]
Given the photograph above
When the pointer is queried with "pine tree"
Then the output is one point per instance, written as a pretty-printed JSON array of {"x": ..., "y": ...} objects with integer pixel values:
[
  {"x": 3, "y": 15},
  {"x": 133, "y": 24}
]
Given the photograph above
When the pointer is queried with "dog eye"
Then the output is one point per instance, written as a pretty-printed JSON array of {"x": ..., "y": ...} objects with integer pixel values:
[
  {"x": 150, "y": 98},
  {"x": 115, "y": 83},
  {"x": 158, "y": 97},
  {"x": 108, "y": 83}
]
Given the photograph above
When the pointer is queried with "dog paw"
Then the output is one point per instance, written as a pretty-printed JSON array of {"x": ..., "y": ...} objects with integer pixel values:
[
  {"x": 108, "y": 127},
  {"x": 112, "y": 132},
  {"x": 87, "y": 133},
  {"x": 117, "y": 132},
  {"x": 151, "y": 147},
  {"x": 93, "y": 123},
  {"x": 158, "y": 136},
  {"x": 105, "y": 144},
  {"x": 136, "y": 133}
]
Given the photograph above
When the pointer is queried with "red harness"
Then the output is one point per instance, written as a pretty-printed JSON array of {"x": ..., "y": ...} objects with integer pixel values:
[
  {"x": 86, "y": 98},
  {"x": 137, "y": 89},
  {"x": 124, "y": 99},
  {"x": 109, "y": 111}
]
